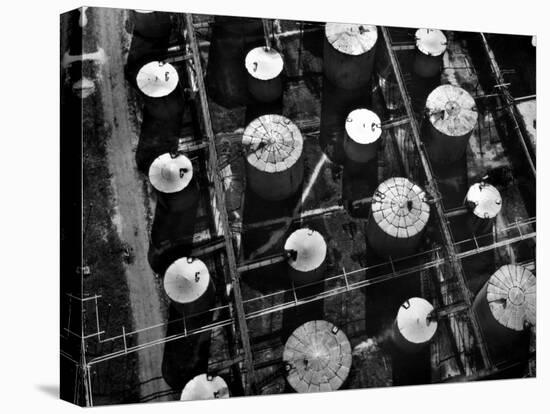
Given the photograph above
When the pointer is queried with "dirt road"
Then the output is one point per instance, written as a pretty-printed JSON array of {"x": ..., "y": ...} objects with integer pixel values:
[{"x": 131, "y": 222}]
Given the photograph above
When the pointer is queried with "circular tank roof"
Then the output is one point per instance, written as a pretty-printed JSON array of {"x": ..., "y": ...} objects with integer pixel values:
[
  {"x": 363, "y": 126},
  {"x": 170, "y": 174},
  {"x": 318, "y": 357},
  {"x": 399, "y": 208},
  {"x": 452, "y": 110},
  {"x": 486, "y": 199},
  {"x": 264, "y": 63},
  {"x": 205, "y": 387},
  {"x": 351, "y": 39},
  {"x": 511, "y": 294},
  {"x": 413, "y": 320},
  {"x": 186, "y": 280},
  {"x": 274, "y": 142},
  {"x": 157, "y": 79},
  {"x": 310, "y": 248},
  {"x": 431, "y": 42}
]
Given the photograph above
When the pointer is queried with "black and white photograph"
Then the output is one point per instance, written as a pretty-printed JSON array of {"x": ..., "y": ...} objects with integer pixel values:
[
  {"x": 287, "y": 207},
  {"x": 277, "y": 206}
]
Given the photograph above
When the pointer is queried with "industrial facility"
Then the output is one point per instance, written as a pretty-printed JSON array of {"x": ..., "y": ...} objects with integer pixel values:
[{"x": 275, "y": 206}]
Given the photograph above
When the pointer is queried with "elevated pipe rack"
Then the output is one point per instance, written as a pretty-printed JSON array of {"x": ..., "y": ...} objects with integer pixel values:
[
  {"x": 349, "y": 285},
  {"x": 438, "y": 207},
  {"x": 233, "y": 277},
  {"x": 509, "y": 101}
]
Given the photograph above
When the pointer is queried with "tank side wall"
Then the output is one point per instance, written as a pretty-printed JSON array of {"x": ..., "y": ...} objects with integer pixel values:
[
  {"x": 180, "y": 201},
  {"x": 502, "y": 342},
  {"x": 360, "y": 153},
  {"x": 265, "y": 90},
  {"x": 443, "y": 148},
  {"x": 385, "y": 245},
  {"x": 427, "y": 66},
  {"x": 347, "y": 71},
  {"x": 307, "y": 277},
  {"x": 276, "y": 186},
  {"x": 156, "y": 25}
]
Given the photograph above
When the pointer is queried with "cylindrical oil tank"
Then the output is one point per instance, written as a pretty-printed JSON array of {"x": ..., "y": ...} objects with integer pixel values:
[
  {"x": 452, "y": 116},
  {"x": 484, "y": 202},
  {"x": 306, "y": 252},
  {"x": 157, "y": 79},
  {"x": 226, "y": 77},
  {"x": 205, "y": 387},
  {"x": 414, "y": 325},
  {"x": 430, "y": 47},
  {"x": 505, "y": 306},
  {"x": 399, "y": 214},
  {"x": 187, "y": 283},
  {"x": 275, "y": 167},
  {"x": 349, "y": 51},
  {"x": 171, "y": 174},
  {"x": 363, "y": 130},
  {"x": 152, "y": 24},
  {"x": 264, "y": 66},
  {"x": 317, "y": 357},
  {"x": 242, "y": 26},
  {"x": 158, "y": 82}
]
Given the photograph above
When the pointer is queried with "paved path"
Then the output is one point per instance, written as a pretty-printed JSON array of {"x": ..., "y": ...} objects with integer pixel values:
[{"x": 131, "y": 222}]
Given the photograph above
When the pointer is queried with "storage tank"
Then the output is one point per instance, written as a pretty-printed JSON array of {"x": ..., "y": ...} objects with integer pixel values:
[
  {"x": 158, "y": 82},
  {"x": 275, "y": 167},
  {"x": 484, "y": 202},
  {"x": 306, "y": 252},
  {"x": 505, "y": 306},
  {"x": 187, "y": 284},
  {"x": 349, "y": 51},
  {"x": 363, "y": 130},
  {"x": 152, "y": 24},
  {"x": 226, "y": 78},
  {"x": 241, "y": 26},
  {"x": 317, "y": 357},
  {"x": 336, "y": 105},
  {"x": 430, "y": 48},
  {"x": 415, "y": 324},
  {"x": 399, "y": 214},
  {"x": 171, "y": 174},
  {"x": 264, "y": 66},
  {"x": 452, "y": 116},
  {"x": 157, "y": 79},
  {"x": 205, "y": 387}
]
